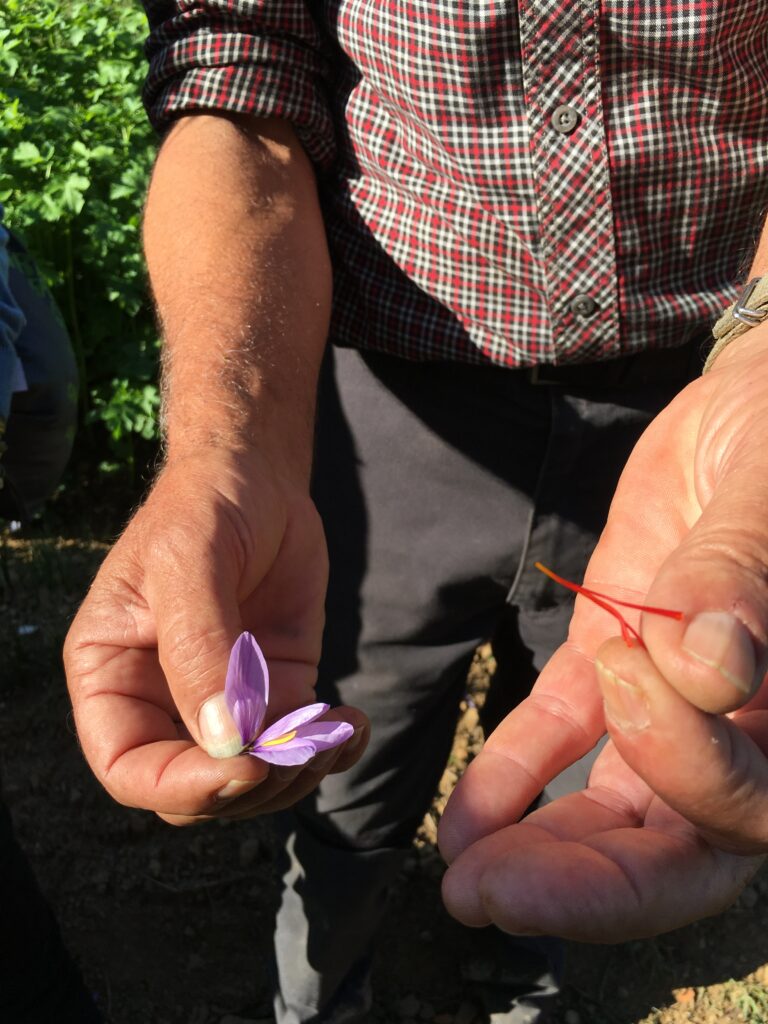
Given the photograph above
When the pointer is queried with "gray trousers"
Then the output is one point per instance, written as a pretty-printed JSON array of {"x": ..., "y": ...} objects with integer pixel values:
[{"x": 439, "y": 485}]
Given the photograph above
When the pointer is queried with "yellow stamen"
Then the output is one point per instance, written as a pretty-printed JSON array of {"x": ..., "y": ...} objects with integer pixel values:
[{"x": 279, "y": 740}]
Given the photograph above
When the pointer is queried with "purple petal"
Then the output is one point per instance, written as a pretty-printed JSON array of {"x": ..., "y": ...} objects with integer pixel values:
[
  {"x": 292, "y": 721},
  {"x": 293, "y": 752},
  {"x": 305, "y": 740},
  {"x": 246, "y": 687},
  {"x": 324, "y": 735}
]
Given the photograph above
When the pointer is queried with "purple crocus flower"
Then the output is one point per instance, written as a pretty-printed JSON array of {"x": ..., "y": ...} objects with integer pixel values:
[{"x": 292, "y": 739}]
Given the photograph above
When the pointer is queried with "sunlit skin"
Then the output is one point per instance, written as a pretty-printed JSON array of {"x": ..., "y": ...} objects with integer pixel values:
[{"x": 674, "y": 819}]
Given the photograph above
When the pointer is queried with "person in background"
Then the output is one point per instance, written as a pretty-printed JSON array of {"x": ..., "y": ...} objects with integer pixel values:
[
  {"x": 39, "y": 981},
  {"x": 38, "y": 384},
  {"x": 11, "y": 324},
  {"x": 516, "y": 224}
]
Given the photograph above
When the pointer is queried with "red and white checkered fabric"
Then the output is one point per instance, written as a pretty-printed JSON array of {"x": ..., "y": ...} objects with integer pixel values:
[{"x": 463, "y": 222}]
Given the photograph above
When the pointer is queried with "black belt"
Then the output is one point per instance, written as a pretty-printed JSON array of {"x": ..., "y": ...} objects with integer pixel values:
[{"x": 642, "y": 368}]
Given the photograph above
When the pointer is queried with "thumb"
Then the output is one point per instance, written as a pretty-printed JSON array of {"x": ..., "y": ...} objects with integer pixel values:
[
  {"x": 716, "y": 655},
  {"x": 197, "y": 616}
]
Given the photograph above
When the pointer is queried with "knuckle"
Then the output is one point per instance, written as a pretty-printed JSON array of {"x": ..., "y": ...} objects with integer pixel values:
[{"x": 195, "y": 655}]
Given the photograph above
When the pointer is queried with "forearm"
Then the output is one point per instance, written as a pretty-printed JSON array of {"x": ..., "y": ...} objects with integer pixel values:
[{"x": 240, "y": 272}]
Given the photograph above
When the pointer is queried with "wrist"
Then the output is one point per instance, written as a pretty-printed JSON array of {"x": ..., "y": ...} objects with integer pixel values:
[
  {"x": 257, "y": 442},
  {"x": 748, "y": 312},
  {"x": 257, "y": 419},
  {"x": 745, "y": 347}
]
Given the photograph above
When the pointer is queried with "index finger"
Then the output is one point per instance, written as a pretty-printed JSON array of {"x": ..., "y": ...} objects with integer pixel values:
[{"x": 558, "y": 723}]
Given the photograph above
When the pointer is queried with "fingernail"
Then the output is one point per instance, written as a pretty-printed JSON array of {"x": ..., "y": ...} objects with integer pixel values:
[
  {"x": 234, "y": 788},
  {"x": 626, "y": 705},
  {"x": 723, "y": 642},
  {"x": 218, "y": 733}
]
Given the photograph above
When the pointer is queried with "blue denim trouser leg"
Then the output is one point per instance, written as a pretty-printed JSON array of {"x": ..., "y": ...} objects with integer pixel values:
[{"x": 439, "y": 486}]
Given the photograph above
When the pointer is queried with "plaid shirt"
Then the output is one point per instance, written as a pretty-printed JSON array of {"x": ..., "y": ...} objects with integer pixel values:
[{"x": 540, "y": 181}]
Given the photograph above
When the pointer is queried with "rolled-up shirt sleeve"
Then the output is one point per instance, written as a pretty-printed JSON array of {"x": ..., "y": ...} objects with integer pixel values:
[{"x": 260, "y": 57}]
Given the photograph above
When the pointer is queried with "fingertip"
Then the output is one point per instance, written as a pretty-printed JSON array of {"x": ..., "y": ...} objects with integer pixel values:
[
  {"x": 458, "y": 826},
  {"x": 353, "y": 748},
  {"x": 462, "y": 900},
  {"x": 715, "y": 653},
  {"x": 722, "y": 643},
  {"x": 711, "y": 658},
  {"x": 627, "y": 705},
  {"x": 456, "y": 829},
  {"x": 358, "y": 741},
  {"x": 219, "y": 736}
]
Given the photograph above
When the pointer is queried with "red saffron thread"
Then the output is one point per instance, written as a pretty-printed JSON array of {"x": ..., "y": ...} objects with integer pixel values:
[{"x": 606, "y": 602}]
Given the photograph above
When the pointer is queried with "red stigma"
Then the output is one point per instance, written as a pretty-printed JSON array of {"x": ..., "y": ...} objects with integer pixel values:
[{"x": 628, "y": 633}]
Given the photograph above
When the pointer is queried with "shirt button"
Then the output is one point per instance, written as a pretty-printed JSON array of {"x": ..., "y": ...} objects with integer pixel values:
[
  {"x": 565, "y": 118},
  {"x": 583, "y": 305}
]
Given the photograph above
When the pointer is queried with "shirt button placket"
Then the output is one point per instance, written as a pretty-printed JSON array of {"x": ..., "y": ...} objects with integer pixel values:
[{"x": 560, "y": 40}]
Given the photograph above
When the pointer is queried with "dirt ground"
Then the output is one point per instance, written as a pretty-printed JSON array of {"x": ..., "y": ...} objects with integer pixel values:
[{"x": 173, "y": 926}]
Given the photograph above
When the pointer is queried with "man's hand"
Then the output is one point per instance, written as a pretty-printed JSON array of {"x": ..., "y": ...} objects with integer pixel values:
[
  {"x": 229, "y": 538},
  {"x": 221, "y": 545},
  {"x": 675, "y": 819}
]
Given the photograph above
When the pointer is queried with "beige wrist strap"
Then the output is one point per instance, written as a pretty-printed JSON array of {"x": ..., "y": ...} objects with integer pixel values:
[{"x": 749, "y": 310}]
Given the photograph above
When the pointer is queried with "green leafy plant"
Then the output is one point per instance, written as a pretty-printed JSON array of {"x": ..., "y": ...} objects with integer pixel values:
[{"x": 77, "y": 151}]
